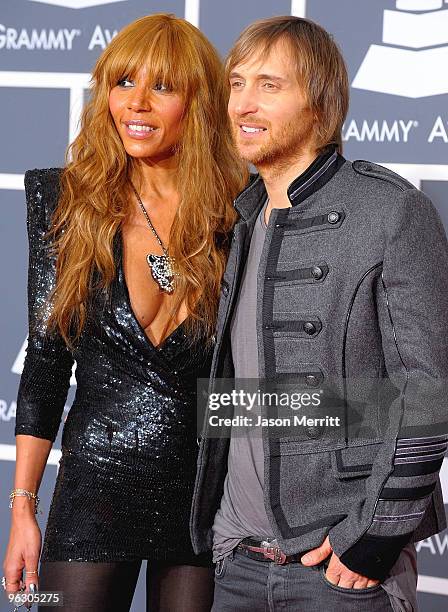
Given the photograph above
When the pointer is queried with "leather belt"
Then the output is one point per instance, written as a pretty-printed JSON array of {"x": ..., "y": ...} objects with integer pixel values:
[{"x": 267, "y": 550}]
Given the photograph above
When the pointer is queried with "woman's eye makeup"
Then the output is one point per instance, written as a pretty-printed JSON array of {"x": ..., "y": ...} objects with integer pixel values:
[
  {"x": 122, "y": 82},
  {"x": 126, "y": 82},
  {"x": 160, "y": 86}
]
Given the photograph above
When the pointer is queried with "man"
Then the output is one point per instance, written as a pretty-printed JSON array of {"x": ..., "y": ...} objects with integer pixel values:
[{"x": 336, "y": 279}]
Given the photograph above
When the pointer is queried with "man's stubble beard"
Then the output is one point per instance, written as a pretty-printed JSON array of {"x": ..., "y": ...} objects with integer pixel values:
[{"x": 282, "y": 148}]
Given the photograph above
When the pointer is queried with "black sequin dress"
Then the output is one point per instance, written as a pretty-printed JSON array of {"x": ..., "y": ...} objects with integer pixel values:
[{"x": 129, "y": 445}]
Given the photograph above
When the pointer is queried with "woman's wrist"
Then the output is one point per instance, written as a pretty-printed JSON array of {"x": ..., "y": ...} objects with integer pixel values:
[
  {"x": 23, "y": 500},
  {"x": 22, "y": 511}
]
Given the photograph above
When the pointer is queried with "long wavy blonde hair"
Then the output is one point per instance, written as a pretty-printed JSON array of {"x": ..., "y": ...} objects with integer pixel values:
[{"x": 94, "y": 198}]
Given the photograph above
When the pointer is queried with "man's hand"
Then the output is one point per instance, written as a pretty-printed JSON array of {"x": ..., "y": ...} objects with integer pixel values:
[{"x": 337, "y": 573}]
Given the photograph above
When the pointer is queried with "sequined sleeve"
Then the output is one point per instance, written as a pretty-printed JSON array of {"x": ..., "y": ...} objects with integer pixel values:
[{"x": 46, "y": 374}]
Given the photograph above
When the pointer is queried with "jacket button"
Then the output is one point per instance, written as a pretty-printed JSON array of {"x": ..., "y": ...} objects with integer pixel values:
[
  {"x": 311, "y": 380},
  {"x": 333, "y": 217},
  {"x": 309, "y": 328},
  {"x": 317, "y": 272}
]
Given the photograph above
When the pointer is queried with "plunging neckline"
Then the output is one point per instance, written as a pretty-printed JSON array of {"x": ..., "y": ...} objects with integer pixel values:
[{"x": 167, "y": 339}]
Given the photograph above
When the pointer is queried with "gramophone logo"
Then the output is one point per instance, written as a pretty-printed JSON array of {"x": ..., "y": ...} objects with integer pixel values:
[
  {"x": 412, "y": 61},
  {"x": 77, "y": 4}
]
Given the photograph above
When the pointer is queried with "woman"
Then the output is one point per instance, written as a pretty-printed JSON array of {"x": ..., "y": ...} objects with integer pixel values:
[{"x": 137, "y": 222}]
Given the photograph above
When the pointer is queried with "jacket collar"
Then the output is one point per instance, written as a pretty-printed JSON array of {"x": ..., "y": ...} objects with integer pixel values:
[{"x": 319, "y": 172}]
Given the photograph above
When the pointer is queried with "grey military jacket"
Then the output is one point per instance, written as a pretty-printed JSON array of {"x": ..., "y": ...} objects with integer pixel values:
[{"x": 352, "y": 290}]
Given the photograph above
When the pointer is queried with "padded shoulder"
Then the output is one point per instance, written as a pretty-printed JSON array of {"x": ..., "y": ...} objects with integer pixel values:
[
  {"x": 46, "y": 179},
  {"x": 43, "y": 175},
  {"x": 381, "y": 173},
  {"x": 42, "y": 194}
]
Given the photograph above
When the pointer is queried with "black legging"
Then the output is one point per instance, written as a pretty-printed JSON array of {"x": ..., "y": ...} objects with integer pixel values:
[{"x": 105, "y": 587}]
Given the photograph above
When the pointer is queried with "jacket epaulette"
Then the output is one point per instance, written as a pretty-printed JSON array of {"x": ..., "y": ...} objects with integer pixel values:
[{"x": 370, "y": 169}]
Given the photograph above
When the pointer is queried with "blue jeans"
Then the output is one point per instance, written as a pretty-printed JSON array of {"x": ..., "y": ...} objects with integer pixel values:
[{"x": 242, "y": 583}]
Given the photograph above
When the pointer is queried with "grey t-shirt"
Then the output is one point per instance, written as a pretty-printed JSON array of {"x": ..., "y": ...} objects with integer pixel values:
[{"x": 242, "y": 512}]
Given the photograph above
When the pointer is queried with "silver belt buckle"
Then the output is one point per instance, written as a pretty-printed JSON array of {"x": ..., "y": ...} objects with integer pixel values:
[
  {"x": 269, "y": 543},
  {"x": 279, "y": 555}
]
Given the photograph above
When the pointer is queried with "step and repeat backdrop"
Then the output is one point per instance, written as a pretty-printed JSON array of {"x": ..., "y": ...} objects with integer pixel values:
[{"x": 396, "y": 52}]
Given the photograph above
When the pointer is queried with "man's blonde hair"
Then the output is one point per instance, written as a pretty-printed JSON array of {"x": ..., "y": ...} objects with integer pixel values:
[{"x": 320, "y": 66}]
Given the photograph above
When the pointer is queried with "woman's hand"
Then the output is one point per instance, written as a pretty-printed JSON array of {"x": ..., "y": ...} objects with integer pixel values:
[{"x": 23, "y": 550}]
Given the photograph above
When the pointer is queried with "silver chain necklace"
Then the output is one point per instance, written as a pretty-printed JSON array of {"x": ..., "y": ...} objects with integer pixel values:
[{"x": 161, "y": 266}]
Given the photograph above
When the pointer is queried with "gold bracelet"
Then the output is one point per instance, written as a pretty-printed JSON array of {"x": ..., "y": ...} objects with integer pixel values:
[{"x": 24, "y": 493}]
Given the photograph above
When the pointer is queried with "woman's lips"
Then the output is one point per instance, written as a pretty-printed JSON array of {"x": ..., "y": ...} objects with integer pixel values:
[{"x": 139, "y": 131}]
